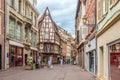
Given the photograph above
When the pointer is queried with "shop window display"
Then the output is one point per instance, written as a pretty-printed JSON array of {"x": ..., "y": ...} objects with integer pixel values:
[
  {"x": 15, "y": 56},
  {"x": 115, "y": 62},
  {"x": 12, "y": 57}
]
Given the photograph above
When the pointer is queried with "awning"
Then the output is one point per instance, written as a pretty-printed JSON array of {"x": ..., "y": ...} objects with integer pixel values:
[{"x": 16, "y": 43}]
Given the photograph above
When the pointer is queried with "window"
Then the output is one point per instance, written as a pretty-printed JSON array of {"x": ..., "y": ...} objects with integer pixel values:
[
  {"x": 19, "y": 6},
  {"x": 93, "y": 18},
  {"x": 26, "y": 32},
  {"x": 0, "y": 25},
  {"x": 12, "y": 28},
  {"x": 31, "y": 16},
  {"x": 32, "y": 38},
  {"x": 46, "y": 17},
  {"x": 35, "y": 21},
  {"x": 100, "y": 9},
  {"x": 46, "y": 25},
  {"x": 25, "y": 10},
  {"x": 12, "y": 3},
  {"x": 85, "y": 30},
  {"x": 46, "y": 36},
  {"x": 18, "y": 31},
  {"x": 106, "y": 5}
]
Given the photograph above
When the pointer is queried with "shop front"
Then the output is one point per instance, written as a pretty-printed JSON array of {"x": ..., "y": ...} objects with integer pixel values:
[
  {"x": 81, "y": 55},
  {"x": 15, "y": 56},
  {"x": 91, "y": 61},
  {"x": 114, "y": 51}
]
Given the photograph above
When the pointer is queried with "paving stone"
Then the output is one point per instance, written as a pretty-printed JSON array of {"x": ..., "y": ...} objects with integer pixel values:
[{"x": 65, "y": 72}]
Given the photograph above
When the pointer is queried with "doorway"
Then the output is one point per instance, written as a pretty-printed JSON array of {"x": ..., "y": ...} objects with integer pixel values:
[{"x": 26, "y": 56}]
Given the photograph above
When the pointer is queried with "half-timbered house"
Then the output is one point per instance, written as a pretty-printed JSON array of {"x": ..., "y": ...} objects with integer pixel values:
[{"x": 49, "y": 38}]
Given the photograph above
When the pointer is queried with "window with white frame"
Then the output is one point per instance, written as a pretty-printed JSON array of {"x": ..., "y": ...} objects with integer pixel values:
[
  {"x": 106, "y": 5},
  {"x": 99, "y": 9}
]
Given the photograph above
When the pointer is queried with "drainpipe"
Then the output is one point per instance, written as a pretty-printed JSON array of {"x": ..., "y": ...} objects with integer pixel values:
[
  {"x": 96, "y": 28},
  {"x": 4, "y": 29}
]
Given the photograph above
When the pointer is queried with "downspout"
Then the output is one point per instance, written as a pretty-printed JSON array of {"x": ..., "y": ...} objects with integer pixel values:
[
  {"x": 96, "y": 28},
  {"x": 4, "y": 29}
]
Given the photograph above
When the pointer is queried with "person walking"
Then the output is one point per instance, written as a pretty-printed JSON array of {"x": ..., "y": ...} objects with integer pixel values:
[
  {"x": 61, "y": 61},
  {"x": 49, "y": 63}
]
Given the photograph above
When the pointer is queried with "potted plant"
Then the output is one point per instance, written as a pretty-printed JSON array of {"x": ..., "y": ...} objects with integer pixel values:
[{"x": 29, "y": 65}]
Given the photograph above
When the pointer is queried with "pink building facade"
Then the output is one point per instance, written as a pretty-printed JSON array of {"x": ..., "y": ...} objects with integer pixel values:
[{"x": 2, "y": 34}]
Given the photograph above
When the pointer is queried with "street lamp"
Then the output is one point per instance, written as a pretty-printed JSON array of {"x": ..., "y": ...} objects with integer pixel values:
[{"x": 85, "y": 21}]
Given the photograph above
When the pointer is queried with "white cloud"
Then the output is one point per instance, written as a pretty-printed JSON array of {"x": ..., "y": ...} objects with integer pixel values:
[{"x": 63, "y": 12}]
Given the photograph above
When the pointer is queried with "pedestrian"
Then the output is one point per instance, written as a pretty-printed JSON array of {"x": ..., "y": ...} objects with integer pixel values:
[
  {"x": 39, "y": 62},
  {"x": 61, "y": 62},
  {"x": 49, "y": 63}
]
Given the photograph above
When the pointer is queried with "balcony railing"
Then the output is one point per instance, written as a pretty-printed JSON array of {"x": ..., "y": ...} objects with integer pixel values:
[
  {"x": 27, "y": 41},
  {"x": 28, "y": 20}
]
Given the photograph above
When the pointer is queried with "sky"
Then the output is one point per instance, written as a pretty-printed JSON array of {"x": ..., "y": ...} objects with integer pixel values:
[{"x": 62, "y": 12}]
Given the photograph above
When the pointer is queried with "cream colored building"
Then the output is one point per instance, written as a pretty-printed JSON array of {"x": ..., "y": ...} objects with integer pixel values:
[
  {"x": 69, "y": 48},
  {"x": 81, "y": 33},
  {"x": 21, "y": 32},
  {"x": 62, "y": 34},
  {"x": 66, "y": 41},
  {"x": 108, "y": 39}
]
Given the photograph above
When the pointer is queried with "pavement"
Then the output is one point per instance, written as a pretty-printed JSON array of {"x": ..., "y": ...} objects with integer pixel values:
[{"x": 65, "y": 72}]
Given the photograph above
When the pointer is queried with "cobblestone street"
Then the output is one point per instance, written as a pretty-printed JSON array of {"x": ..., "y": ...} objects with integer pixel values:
[{"x": 65, "y": 72}]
